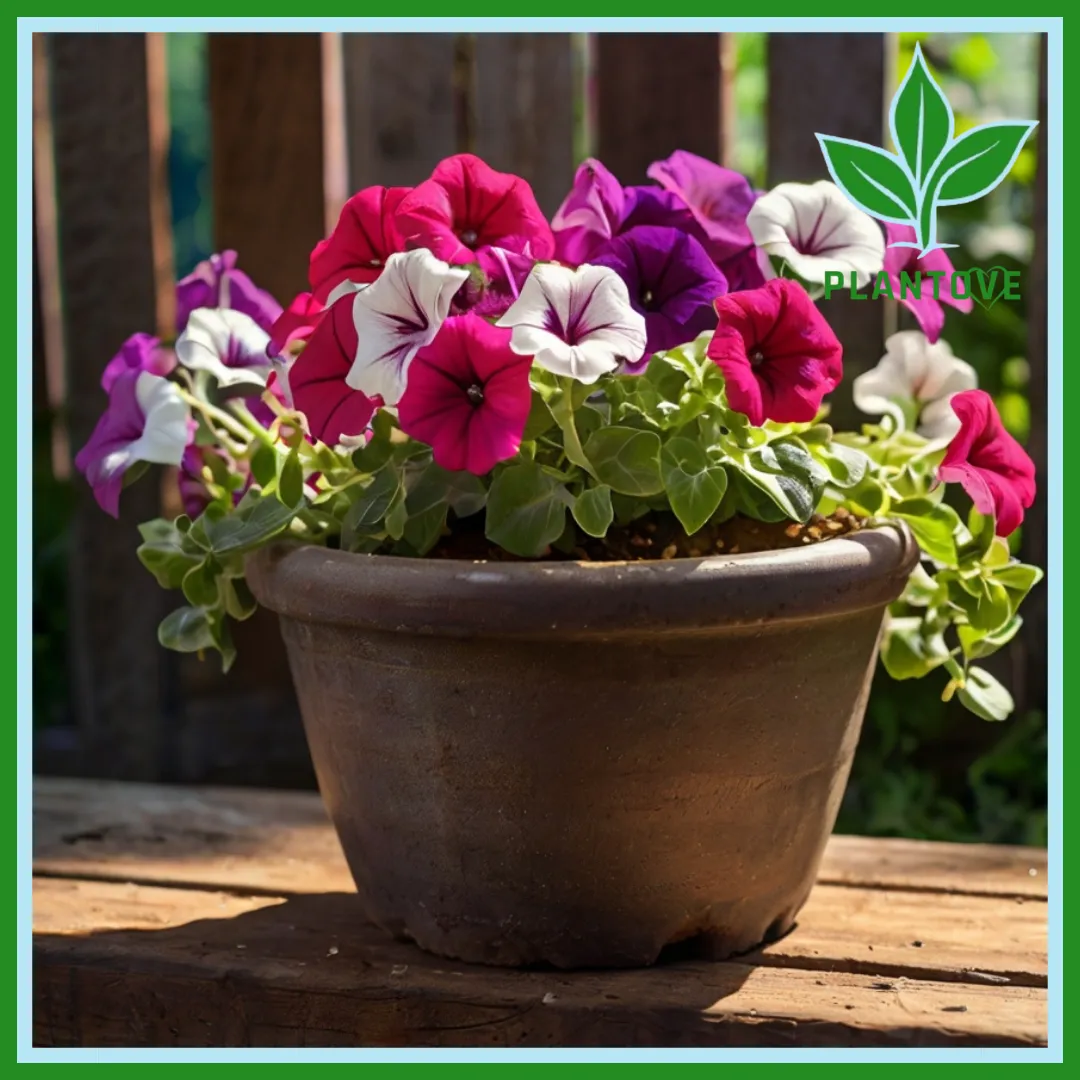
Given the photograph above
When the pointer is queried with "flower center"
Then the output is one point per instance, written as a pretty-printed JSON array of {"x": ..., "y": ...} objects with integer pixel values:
[
  {"x": 469, "y": 236},
  {"x": 475, "y": 394},
  {"x": 646, "y": 297},
  {"x": 757, "y": 357}
]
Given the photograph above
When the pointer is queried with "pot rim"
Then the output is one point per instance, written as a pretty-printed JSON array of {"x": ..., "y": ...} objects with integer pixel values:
[{"x": 447, "y": 597}]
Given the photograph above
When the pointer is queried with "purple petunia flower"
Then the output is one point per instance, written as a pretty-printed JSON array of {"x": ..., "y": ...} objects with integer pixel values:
[
  {"x": 147, "y": 420},
  {"x": 671, "y": 281},
  {"x": 216, "y": 283},
  {"x": 141, "y": 352}
]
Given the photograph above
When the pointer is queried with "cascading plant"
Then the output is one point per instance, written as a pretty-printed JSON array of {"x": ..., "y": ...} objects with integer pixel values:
[{"x": 643, "y": 377}]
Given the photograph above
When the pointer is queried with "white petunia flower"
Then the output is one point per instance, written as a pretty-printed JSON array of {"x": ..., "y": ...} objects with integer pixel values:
[
  {"x": 576, "y": 322},
  {"x": 914, "y": 371},
  {"x": 396, "y": 316},
  {"x": 227, "y": 343},
  {"x": 815, "y": 228}
]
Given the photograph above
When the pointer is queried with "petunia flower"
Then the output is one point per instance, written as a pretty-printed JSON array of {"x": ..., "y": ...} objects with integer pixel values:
[
  {"x": 365, "y": 236},
  {"x": 671, "y": 281},
  {"x": 778, "y": 354},
  {"x": 296, "y": 323},
  {"x": 468, "y": 396},
  {"x": 504, "y": 273},
  {"x": 141, "y": 352},
  {"x": 720, "y": 200},
  {"x": 316, "y": 378},
  {"x": 988, "y": 462},
  {"x": 147, "y": 420},
  {"x": 216, "y": 283},
  {"x": 226, "y": 343},
  {"x": 590, "y": 215},
  {"x": 927, "y": 311},
  {"x": 815, "y": 229},
  {"x": 466, "y": 205},
  {"x": 395, "y": 316},
  {"x": 914, "y": 372},
  {"x": 576, "y": 322}
]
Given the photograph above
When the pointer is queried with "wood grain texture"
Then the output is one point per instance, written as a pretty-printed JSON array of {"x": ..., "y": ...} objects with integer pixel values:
[
  {"x": 282, "y": 842},
  {"x": 267, "y": 153},
  {"x": 657, "y": 93},
  {"x": 834, "y": 84},
  {"x": 106, "y": 167},
  {"x": 126, "y": 965},
  {"x": 400, "y": 106},
  {"x": 525, "y": 110}
]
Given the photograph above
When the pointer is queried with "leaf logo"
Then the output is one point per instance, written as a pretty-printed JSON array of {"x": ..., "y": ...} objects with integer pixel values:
[{"x": 931, "y": 168}]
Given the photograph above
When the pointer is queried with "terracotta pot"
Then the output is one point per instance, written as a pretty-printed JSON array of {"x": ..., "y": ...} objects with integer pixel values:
[{"x": 580, "y": 764}]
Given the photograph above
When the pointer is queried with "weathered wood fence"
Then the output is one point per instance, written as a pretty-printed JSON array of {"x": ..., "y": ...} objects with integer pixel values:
[{"x": 298, "y": 122}]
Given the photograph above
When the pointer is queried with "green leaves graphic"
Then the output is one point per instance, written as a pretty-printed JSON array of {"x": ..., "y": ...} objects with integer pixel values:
[{"x": 930, "y": 167}]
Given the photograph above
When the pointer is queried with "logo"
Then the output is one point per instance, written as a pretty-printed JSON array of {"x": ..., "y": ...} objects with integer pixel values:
[{"x": 930, "y": 168}]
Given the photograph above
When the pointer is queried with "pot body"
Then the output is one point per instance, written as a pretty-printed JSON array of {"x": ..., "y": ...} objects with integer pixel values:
[{"x": 580, "y": 764}]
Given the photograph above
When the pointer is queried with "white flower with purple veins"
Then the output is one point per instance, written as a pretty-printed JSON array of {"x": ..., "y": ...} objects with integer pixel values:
[
  {"x": 228, "y": 344},
  {"x": 576, "y": 322},
  {"x": 916, "y": 378},
  {"x": 815, "y": 229},
  {"x": 396, "y": 316}
]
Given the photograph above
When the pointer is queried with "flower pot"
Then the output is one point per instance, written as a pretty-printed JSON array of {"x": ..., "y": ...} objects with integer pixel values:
[{"x": 580, "y": 764}]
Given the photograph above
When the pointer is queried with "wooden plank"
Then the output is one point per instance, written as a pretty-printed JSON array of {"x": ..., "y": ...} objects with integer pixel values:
[
  {"x": 657, "y": 93},
  {"x": 400, "y": 103},
  {"x": 267, "y": 153},
  {"x": 1031, "y": 692},
  {"x": 107, "y": 99},
  {"x": 280, "y": 841},
  {"x": 834, "y": 84},
  {"x": 171, "y": 967},
  {"x": 525, "y": 110}
]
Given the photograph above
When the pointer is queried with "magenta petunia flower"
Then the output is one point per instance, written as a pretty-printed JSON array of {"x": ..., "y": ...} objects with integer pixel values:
[
  {"x": 991, "y": 465},
  {"x": 778, "y": 354},
  {"x": 671, "y": 281},
  {"x": 296, "y": 323},
  {"x": 468, "y": 396},
  {"x": 365, "y": 236},
  {"x": 317, "y": 383},
  {"x": 928, "y": 312},
  {"x": 141, "y": 352},
  {"x": 216, "y": 283},
  {"x": 720, "y": 200},
  {"x": 466, "y": 205},
  {"x": 147, "y": 420}
]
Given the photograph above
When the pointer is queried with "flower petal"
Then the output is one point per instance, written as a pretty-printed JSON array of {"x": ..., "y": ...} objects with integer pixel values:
[{"x": 226, "y": 343}]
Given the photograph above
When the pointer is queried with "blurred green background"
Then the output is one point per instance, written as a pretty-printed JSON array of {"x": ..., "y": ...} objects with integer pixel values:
[{"x": 924, "y": 768}]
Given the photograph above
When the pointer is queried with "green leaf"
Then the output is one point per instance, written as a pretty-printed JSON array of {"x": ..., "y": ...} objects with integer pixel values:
[
  {"x": 786, "y": 472},
  {"x": 910, "y": 649},
  {"x": 1018, "y": 579},
  {"x": 921, "y": 119},
  {"x": 981, "y": 528},
  {"x": 847, "y": 466},
  {"x": 374, "y": 502},
  {"x": 264, "y": 464},
  {"x": 627, "y": 460},
  {"x": 978, "y": 161},
  {"x": 921, "y": 589},
  {"x": 201, "y": 585},
  {"x": 867, "y": 498},
  {"x": 871, "y": 178},
  {"x": 167, "y": 553},
  {"x": 525, "y": 510},
  {"x": 993, "y": 608},
  {"x": 985, "y": 696},
  {"x": 562, "y": 409},
  {"x": 934, "y": 526},
  {"x": 291, "y": 482},
  {"x": 423, "y": 530},
  {"x": 592, "y": 510},
  {"x": 371, "y": 457},
  {"x": 196, "y": 629},
  {"x": 978, "y": 643},
  {"x": 540, "y": 419},
  {"x": 255, "y": 521},
  {"x": 239, "y": 603},
  {"x": 694, "y": 486}
]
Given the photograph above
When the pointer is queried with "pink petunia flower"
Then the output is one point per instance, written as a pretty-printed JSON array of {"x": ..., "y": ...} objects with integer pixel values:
[
  {"x": 296, "y": 323},
  {"x": 141, "y": 352},
  {"x": 468, "y": 396},
  {"x": 466, "y": 205},
  {"x": 778, "y": 354},
  {"x": 317, "y": 383},
  {"x": 365, "y": 236},
  {"x": 988, "y": 462},
  {"x": 928, "y": 312}
]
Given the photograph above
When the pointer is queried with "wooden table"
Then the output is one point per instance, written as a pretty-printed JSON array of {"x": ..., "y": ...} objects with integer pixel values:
[{"x": 216, "y": 917}]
